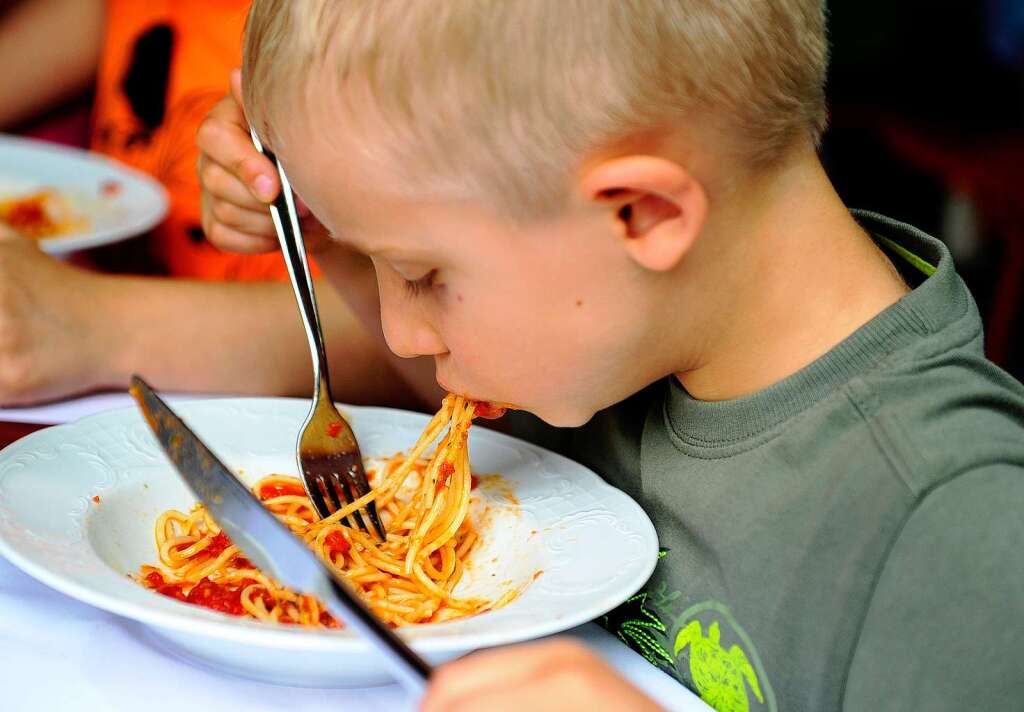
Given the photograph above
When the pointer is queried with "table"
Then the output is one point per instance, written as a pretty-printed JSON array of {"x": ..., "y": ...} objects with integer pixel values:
[{"x": 59, "y": 654}]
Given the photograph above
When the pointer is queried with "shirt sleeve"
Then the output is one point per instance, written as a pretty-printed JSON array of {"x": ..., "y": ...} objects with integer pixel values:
[{"x": 945, "y": 626}]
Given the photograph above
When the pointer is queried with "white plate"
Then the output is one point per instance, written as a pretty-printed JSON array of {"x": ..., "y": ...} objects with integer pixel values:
[
  {"x": 139, "y": 204},
  {"x": 594, "y": 546}
]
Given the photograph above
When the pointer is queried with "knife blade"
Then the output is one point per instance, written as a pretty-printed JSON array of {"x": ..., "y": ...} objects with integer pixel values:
[{"x": 264, "y": 540}]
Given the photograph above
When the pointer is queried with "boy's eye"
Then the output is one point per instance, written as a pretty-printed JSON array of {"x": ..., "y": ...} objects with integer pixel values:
[{"x": 414, "y": 288}]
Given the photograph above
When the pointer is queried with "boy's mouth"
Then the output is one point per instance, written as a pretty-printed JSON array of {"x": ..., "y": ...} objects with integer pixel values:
[
  {"x": 490, "y": 411},
  {"x": 487, "y": 409}
]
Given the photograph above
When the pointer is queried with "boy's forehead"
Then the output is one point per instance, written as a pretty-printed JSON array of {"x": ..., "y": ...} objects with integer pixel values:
[
  {"x": 351, "y": 184},
  {"x": 351, "y": 198},
  {"x": 345, "y": 166},
  {"x": 362, "y": 209}
]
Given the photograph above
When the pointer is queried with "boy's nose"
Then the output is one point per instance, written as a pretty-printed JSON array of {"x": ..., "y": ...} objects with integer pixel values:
[{"x": 407, "y": 332}]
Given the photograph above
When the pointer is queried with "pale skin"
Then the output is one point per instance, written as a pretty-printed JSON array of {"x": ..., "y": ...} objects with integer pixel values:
[
  {"x": 727, "y": 279},
  {"x": 66, "y": 330}
]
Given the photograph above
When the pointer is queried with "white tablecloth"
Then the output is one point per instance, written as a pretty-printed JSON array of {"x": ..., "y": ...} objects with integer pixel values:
[{"x": 61, "y": 655}]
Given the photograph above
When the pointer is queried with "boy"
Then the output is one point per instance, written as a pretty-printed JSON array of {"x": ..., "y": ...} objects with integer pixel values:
[{"x": 612, "y": 215}]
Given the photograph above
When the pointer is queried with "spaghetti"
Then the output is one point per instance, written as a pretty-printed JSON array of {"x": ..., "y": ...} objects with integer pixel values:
[{"x": 408, "y": 578}]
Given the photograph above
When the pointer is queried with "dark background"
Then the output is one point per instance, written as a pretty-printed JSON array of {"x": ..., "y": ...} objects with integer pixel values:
[{"x": 926, "y": 116}]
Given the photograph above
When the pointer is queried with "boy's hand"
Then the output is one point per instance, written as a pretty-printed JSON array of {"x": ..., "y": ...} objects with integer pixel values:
[
  {"x": 238, "y": 183},
  {"x": 552, "y": 675}
]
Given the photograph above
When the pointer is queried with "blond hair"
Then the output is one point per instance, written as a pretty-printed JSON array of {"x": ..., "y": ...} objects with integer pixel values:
[{"x": 501, "y": 100}]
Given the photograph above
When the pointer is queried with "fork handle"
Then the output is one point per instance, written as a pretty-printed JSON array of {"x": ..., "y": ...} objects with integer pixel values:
[{"x": 293, "y": 247}]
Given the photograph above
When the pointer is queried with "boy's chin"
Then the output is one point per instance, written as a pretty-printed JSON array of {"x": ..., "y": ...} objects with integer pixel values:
[{"x": 562, "y": 417}]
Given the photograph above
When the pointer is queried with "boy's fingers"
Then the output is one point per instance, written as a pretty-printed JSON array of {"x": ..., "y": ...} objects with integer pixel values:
[
  {"x": 552, "y": 675},
  {"x": 231, "y": 240},
  {"x": 251, "y": 222},
  {"x": 224, "y": 138},
  {"x": 235, "y": 80},
  {"x": 498, "y": 669},
  {"x": 501, "y": 700},
  {"x": 223, "y": 185},
  {"x": 265, "y": 191}
]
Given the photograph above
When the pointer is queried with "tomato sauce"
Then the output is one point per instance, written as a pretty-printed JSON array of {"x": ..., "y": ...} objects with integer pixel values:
[
  {"x": 225, "y": 598},
  {"x": 217, "y": 597},
  {"x": 218, "y": 544},
  {"x": 156, "y": 582},
  {"x": 280, "y": 490},
  {"x": 110, "y": 188},
  {"x": 488, "y": 411},
  {"x": 30, "y": 216},
  {"x": 336, "y": 543}
]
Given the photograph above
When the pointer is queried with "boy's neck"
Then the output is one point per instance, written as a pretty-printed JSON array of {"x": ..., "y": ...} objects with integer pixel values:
[{"x": 802, "y": 277}]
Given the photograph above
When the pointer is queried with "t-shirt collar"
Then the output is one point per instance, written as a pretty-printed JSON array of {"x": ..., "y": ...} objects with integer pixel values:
[{"x": 938, "y": 300}]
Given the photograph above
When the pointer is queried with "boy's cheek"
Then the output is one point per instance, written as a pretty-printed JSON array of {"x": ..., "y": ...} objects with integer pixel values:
[{"x": 523, "y": 360}]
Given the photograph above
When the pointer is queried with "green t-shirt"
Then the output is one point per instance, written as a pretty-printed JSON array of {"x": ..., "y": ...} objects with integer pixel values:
[{"x": 851, "y": 537}]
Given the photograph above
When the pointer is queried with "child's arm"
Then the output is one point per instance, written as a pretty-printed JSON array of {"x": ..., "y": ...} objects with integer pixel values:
[
  {"x": 65, "y": 330},
  {"x": 550, "y": 675},
  {"x": 238, "y": 183},
  {"x": 49, "y": 51}
]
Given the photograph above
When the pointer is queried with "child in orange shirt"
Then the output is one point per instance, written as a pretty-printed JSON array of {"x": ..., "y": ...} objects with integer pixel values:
[
  {"x": 162, "y": 68},
  {"x": 158, "y": 68}
]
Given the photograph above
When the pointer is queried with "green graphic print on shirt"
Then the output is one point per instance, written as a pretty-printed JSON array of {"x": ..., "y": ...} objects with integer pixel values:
[{"x": 704, "y": 647}]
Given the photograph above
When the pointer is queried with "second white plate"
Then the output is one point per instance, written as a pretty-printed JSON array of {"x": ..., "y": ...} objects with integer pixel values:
[{"x": 117, "y": 202}]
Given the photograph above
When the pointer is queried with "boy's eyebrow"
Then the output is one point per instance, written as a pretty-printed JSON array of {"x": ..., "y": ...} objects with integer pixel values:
[
  {"x": 337, "y": 237},
  {"x": 346, "y": 237},
  {"x": 389, "y": 252}
]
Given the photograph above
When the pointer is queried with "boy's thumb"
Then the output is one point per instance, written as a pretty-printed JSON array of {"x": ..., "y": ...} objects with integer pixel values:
[{"x": 235, "y": 80}]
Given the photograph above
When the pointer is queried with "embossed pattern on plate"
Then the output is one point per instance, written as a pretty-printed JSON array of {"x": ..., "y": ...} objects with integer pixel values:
[{"x": 592, "y": 544}]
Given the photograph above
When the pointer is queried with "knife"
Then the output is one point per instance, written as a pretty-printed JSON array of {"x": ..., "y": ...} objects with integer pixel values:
[{"x": 267, "y": 542}]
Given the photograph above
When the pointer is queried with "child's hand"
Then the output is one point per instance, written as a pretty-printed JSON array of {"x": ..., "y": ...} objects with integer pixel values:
[
  {"x": 238, "y": 182},
  {"x": 56, "y": 335},
  {"x": 551, "y": 675}
]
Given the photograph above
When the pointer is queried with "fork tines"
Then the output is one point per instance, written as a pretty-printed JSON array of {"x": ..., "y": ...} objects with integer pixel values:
[{"x": 339, "y": 482}]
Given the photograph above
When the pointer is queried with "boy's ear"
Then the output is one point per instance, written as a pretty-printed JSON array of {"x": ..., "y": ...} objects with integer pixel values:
[{"x": 657, "y": 205}]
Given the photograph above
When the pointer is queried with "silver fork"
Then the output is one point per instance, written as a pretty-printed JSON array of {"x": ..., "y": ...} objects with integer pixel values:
[{"x": 327, "y": 451}]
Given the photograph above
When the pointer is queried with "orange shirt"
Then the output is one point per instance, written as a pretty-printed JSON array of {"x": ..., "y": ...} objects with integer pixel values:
[{"x": 165, "y": 63}]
